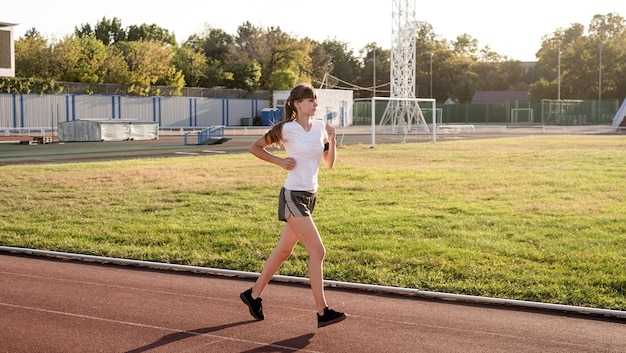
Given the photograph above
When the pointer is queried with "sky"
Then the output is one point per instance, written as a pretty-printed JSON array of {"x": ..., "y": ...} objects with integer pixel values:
[{"x": 513, "y": 29}]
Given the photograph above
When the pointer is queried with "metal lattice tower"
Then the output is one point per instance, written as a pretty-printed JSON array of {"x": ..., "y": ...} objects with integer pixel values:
[{"x": 403, "y": 51}]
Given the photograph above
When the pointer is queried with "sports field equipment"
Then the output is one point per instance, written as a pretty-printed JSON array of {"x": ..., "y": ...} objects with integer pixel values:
[{"x": 402, "y": 120}]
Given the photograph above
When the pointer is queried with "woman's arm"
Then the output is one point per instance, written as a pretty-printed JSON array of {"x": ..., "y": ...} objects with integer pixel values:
[
  {"x": 258, "y": 149},
  {"x": 331, "y": 153}
]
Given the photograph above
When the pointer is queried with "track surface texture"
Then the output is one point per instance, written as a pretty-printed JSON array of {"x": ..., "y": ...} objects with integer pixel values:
[{"x": 55, "y": 305}]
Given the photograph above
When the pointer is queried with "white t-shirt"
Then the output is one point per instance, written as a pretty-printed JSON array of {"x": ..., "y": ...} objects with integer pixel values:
[{"x": 307, "y": 148}]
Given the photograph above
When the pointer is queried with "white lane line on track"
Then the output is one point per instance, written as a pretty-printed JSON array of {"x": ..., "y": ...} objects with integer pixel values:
[{"x": 160, "y": 328}]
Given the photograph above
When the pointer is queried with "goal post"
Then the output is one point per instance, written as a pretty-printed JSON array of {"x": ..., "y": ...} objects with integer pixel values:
[
  {"x": 427, "y": 101},
  {"x": 519, "y": 115}
]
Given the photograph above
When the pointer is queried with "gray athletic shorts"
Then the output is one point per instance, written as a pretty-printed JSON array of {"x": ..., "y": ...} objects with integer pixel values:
[{"x": 295, "y": 203}]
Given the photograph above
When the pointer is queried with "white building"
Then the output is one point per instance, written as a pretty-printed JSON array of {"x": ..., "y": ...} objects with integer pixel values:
[
  {"x": 334, "y": 105},
  {"x": 7, "y": 50}
]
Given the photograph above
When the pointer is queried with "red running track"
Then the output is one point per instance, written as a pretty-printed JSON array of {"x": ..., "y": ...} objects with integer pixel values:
[{"x": 51, "y": 305}]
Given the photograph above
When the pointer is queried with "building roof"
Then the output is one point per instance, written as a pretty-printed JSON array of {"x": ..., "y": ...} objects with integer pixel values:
[
  {"x": 500, "y": 96},
  {"x": 6, "y": 24}
]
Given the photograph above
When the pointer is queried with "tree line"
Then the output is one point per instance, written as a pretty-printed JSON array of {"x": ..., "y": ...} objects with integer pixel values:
[{"x": 577, "y": 62}]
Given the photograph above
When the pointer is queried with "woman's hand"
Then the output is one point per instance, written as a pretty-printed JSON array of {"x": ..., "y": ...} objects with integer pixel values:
[
  {"x": 288, "y": 163},
  {"x": 330, "y": 130}
]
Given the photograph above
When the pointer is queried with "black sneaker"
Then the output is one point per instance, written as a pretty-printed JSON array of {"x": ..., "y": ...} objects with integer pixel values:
[
  {"x": 256, "y": 309},
  {"x": 330, "y": 317}
]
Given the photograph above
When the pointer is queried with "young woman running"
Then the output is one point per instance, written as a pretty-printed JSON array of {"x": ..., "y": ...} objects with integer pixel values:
[{"x": 308, "y": 142}]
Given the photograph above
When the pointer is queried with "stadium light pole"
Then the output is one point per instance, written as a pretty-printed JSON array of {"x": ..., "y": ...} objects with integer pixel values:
[
  {"x": 558, "y": 96},
  {"x": 431, "y": 75},
  {"x": 600, "y": 83},
  {"x": 374, "y": 75}
]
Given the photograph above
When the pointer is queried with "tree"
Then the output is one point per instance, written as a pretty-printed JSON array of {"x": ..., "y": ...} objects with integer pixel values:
[
  {"x": 274, "y": 50},
  {"x": 283, "y": 80},
  {"x": 580, "y": 60},
  {"x": 606, "y": 27},
  {"x": 320, "y": 62},
  {"x": 268, "y": 58},
  {"x": 343, "y": 63},
  {"x": 466, "y": 46},
  {"x": 80, "y": 60},
  {"x": 192, "y": 64},
  {"x": 216, "y": 44},
  {"x": 245, "y": 75},
  {"x": 150, "y": 62},
  {"x": 150, "y": 33},
  {"x": 500, "y": 76},
  {"x": 542, "y": 89},
  {"x": 107, "y": 31},
  {"x": 248, "y": 41},
  {"x": 608, "y": 37},
  {"x": 215, "y": 75},
  {"x": 459, "y": 81},
  {"x": 375, "y": 59},
  {"x": 32, "y": 56},
  {"x": 110, "y": 32},
  {"x": 431, "y": 48}
]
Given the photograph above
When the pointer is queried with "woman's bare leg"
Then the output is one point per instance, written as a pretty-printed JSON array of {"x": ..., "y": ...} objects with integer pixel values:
[
  {"x": 284, "y": 248},
  {"x": 309, "y": 236}
]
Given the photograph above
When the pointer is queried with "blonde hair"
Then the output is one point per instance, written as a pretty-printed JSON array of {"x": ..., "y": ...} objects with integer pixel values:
[{"x": 298, "y": 93}]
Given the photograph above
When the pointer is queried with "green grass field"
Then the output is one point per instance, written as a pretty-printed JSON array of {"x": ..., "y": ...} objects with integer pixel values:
[{"x": 539, "y": 218}]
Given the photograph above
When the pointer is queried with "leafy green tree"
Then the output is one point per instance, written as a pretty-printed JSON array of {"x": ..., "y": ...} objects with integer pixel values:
[
  {"x": 500, "y": 76},
  {"x": 431, "y": 49},
  {"x": 455, "y": 77},
  {"x": 321, "y": 62},
  {"x": 542, "y": 89},
  {"x": 150, "y": 33},
  {"x": 192, "y": 64},
  {"x": 275, "y": 51},
  {"x": 268, "y": 58},
  {"x": 107, "y": 31},
  {"x": 216, "y": 44},
  {"x": 84, "y": 30},
  {"x": 80, "y": 60},
  {"x": 110, "y": 31},
  {"x": 150, "y": 62},
  {"x": 486, "y": 55},
  {"x": 579, "y": 57},
  {"x": 344, "y": 65},
  {"x": 32, "y": 56},
  {"x": 608, "y": 34},
  {"x": 115, "y": 68},
  {"x": 466, "y": 46},
  {"x": 375, "y": 65},
  {"x": 283, "y": 80},
  {"x": 215, "y": 75},
  {"x": 248, "y": 41},
  {"x": 279, "y": 53},
  {"x": 245, "y": 75}
]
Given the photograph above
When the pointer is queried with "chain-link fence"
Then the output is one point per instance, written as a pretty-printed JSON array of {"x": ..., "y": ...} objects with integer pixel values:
[
  {"x": 117, "y": 89},
  {"x": 544, "y": 112}
]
